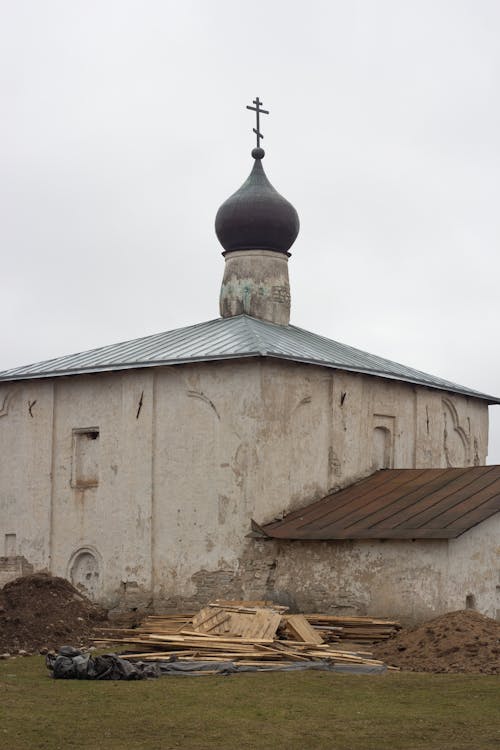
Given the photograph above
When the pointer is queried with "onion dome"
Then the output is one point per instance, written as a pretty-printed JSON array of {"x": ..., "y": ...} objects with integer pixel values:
[{"x": 257, "y": 217}]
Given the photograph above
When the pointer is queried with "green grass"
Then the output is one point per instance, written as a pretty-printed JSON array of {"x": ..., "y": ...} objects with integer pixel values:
[{"x": 401, "y": 711}]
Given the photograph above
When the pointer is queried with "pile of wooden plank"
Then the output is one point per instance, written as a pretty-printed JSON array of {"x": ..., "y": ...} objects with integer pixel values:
[
  {"x": 355, "y": 629},
  {"x": 246, "y": 633}
]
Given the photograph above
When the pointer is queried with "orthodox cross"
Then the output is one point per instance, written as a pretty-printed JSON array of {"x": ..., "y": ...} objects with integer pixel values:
[{"x": 258, "y": 111}]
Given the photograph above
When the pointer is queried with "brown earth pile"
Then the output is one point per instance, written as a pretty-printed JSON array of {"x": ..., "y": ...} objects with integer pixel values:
[
  {"x": 462, "y": 641},
  {"x": 43, "y": 611}
]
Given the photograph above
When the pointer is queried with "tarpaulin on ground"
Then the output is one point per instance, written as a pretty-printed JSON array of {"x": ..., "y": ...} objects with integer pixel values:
[{"x": 72, "y": 664}]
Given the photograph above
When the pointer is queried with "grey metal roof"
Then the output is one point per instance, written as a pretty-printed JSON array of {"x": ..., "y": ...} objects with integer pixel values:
[{"x": 233, "y": 338}]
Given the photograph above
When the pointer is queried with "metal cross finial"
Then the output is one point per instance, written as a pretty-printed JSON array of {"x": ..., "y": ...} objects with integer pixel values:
[{"x": 258, "y": 111}]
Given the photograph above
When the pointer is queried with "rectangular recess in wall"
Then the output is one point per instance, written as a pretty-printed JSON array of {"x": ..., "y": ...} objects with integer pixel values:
[{"x": 85, "y": 466}]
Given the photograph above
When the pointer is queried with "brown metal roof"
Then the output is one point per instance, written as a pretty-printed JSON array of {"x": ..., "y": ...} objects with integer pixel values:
[{"x": 398, "y": 504}]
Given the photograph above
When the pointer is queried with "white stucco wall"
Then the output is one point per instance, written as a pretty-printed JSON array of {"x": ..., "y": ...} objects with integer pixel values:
[
  {"x": 408, "y": 580},
  {"x": 474, "y": 568},
  {"x": 189, "y": 454}
]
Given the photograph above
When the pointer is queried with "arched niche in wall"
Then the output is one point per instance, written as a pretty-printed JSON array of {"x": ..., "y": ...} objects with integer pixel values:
[
  {"x": 85, "y": 571},
  {"x": 455, "y": 439},
  {"x": 381, "y": 448},
  {"x": 383, "y": 442}
]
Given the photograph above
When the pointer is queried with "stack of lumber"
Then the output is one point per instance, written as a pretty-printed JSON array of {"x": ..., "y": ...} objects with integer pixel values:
[
  {"x": 246, "y": 633},
  {"x": 355, "y": 629},
  {"x": 260, "y": 623},
  {"x": 165, "y": 624}
]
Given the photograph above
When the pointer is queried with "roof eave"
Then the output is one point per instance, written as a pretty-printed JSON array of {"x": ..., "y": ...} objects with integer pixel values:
[
  {"x": 491, "y": 400},
  {"x": 124, "y": 366},
  {"x": 389, "y": 376},
  {"x": 406, "y": 535}
]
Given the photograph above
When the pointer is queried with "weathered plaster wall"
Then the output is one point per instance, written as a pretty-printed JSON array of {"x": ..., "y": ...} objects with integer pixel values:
[
  {"x": 187, "y": 455},
  {"x": 26, "y": 413},
  {"x": 256, "y": 283},
  {"x": 408, "y": 580},
  {"x": 13, "y": 566},
  {"x": 474, "y": 568},
  {"x": 450, "y": 430},
  {"x": 112, "y": 520}
]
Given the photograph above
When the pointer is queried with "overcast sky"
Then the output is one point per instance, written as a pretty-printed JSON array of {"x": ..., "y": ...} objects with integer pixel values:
[{"x": 123, "y": 127}]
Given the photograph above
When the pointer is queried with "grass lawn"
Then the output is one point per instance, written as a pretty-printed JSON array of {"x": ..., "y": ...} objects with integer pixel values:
[{"x": 259, "y": 711}]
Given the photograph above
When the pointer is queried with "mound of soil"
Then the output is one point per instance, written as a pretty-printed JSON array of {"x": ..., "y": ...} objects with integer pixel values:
[
  {"x": 462, "y": 641},
  {"x": 42, "y": 611}
]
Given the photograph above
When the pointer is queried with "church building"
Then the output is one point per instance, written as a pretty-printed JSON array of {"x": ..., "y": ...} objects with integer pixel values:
[{"x": 245, "y": 457}]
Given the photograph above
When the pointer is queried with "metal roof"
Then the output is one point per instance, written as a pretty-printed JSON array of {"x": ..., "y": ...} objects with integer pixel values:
[
  {"x": 233, "y": 338},
  {"x": 398, "y": 504}
]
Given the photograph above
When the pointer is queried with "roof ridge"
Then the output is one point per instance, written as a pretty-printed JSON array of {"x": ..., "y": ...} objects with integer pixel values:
[{"x": 249, "y": 323}]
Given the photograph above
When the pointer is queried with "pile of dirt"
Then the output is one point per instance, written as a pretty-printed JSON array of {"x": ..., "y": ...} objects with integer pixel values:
[
  {"x": 462, "y": 641},
  {"x": 42, "y": 611}
]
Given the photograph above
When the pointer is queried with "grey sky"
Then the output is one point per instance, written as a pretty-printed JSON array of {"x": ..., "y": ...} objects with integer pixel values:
[{"x": 123, "y": 127}]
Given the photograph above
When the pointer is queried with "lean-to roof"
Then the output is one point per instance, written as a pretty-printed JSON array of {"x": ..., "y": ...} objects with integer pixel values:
[{"x": 398, "y": 504}]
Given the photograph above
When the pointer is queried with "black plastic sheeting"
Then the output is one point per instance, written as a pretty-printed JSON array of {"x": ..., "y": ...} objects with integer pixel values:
[{"x": 71, "y": 664}]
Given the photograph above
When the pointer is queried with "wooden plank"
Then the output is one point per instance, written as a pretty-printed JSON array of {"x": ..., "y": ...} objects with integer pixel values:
[
  {"x": 156, "y": 655},
  {"x": 261, "y": 624},
  {"x": 299, "y": 627},
  {"x": 199, "y": 638},
  {"x": 249, "y": 604},
  {"x": 243, "y": 610},
  {"x": 209, "y": 620},
  {"x": 241, "y": 603}
]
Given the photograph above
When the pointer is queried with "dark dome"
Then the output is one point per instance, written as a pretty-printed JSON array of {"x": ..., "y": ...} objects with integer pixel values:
[{"x": 257, "y": 217}]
